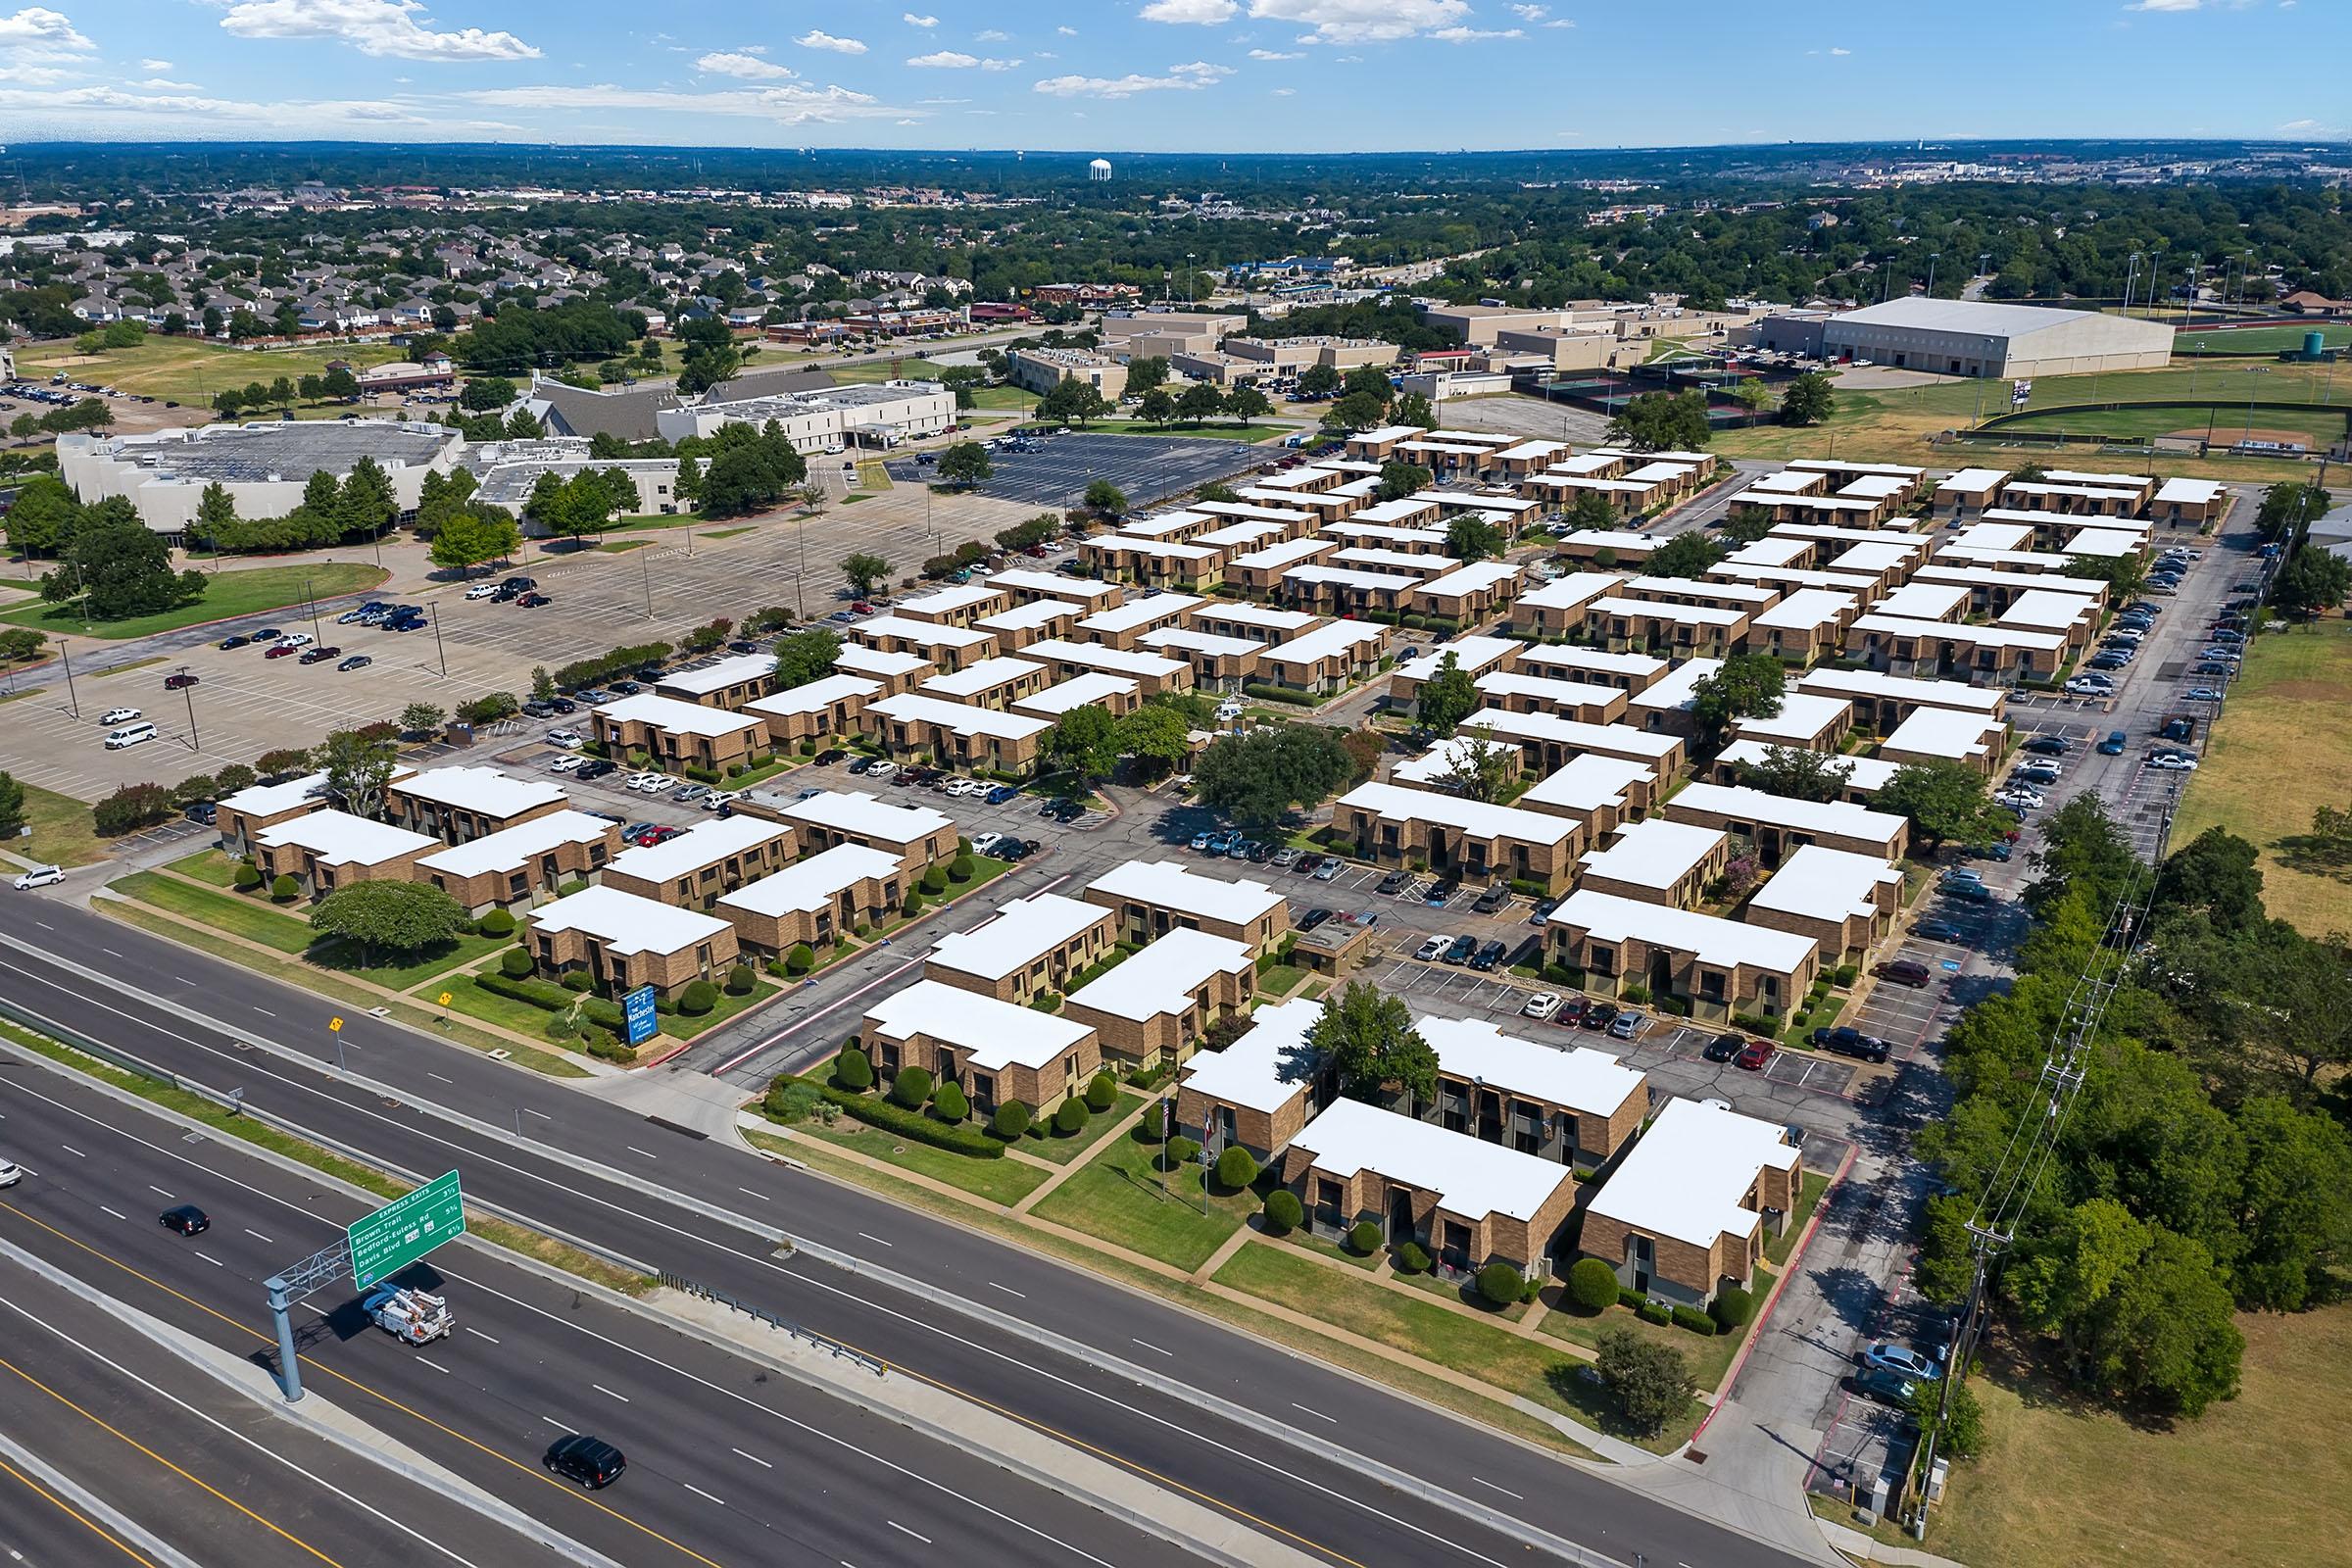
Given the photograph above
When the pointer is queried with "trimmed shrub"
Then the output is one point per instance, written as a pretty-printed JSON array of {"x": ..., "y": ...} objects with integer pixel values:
[
  {"x": 907, "y": 1124},
  {"x": 1591, "y": 1284},
  {"x": 555, "y": 998},
  {"x": 1235, "y": 1168},
  {"x": 949, "y": 1105},
  {"x": 910, "y": 1087},
  {"x": 1499, "y": 1284},
  {"x": 1412, "y": 1258},
  {"x": 1533, "y": 1291},
  {"x": 1183, "y": 1151},
  {"x": 515, "y": 963},
  {"x": 562, "y": 1026},
  {"x": 935, "y": 881},
  {"x": 497, "y": 923},
  {"x": 699, "y": 997},
  {"x": 913, "y": 907},
  {"x": 852, "y": 1071},
  {"x": 1632, "y": 1300},
  {"x": 249, "y": 876},
  {"x": 286, "y": 890},
  {"x": 1657, "y": 1313},
  {"x": 1691, "y": 1318},
  {"x": 1103, "y": 1092},
  {"x": 1364, "y": 1238},
  {"x": 1637, "y": 995},
  {"x": 801, "y": 959},
  {"x": 1069, "y": 1117},
  {"x": 579, "y": 980},
  {"x": 1012, "y": 1119},
  {"x": 1845, "y": 974},
  {"x": 1732, "y": 1307},
  {"x": 1284, "y": 1212},
  {"x": 741, "y": 980},
  {"x": 961, "y": 868},
  {"x": 794, "y": 1101},
  {"x": 605, "y": 1046}
]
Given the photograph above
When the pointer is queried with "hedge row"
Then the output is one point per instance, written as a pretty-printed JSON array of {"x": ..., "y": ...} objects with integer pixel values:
[
  {"x": 555, "y": 998},
  {"x": 896, "y": 1119}
]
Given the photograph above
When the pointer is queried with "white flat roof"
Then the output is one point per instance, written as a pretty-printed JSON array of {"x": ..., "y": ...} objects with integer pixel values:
[
  {"x": 1611, "y": 740},
  {"x": 957, "y": 685},
  {"x": 947, "y": 601},
  {"x": 1618, "y": 539},
  {"x": 1940, "y": 570},
  {"x": 1974, "y": 480},
  {"x": 1833, "y": 465},
  {"x": 1678, "y": 589},
  {"x": 992, "y": 1035},
  {"x": 1808, "y": 610},
  {"x": 1140, "y": 613},
  {"x": 1469, "y": 1176},
  {"x": 1678, "y": 687},
  {"x": 860, "y": 660},
  {"x": 1163, "y": 975},
  {"x": 907, "y": 629},
  {"x": 1947, "y": 732},
  {"x": 1869, "y": 775},
  {"x": 1770, "y": 551},
  {"x": 2188, "y": 491},
  {"x": 1707, "y": 938},
  {"x": 1266, "y": 615},
  {"x": 813, "y": 883},
  {"x": 626, "y": 923},
  {"x": 1175, "y": 886},
  {"x": 1033, "y": 615},
  {"x": 1267, "y": 1067},
  {"x": 480, "y": 789},
  {"x": 1474, "y": 655},
  {"x": 1667, "y": 609},
  {"x": 1579, "y": 1078},
  {"x": 1801, "y": 720},
  {"x": 339, "y": 838},
  {"x": 1787, "y": 482},
  {"x": 699, "y": 845},
  {"x": 1587, "y": 783},
  {"x": 1079, "y": 690},
  {"x": 1419, "y": 565},
  {"x": 674, "y": 715},
  {"x": 512, "y": 846},
  {"x": 960, "y": 719},
  {"x": 1172, "y": 638},
  {"x": 859, "y": 813},
  {"x": 1094, "y": 656},
  {"x": 2103, "y": 542},
  {"x": 1825, "y": 884},
  {"x": 1555, "y": 694},
  {"x": 1470, "y": 817},
  {"x": 1470, "y": 579},
  {"x": 1286, "y": 554},
  {"x": 1333, "y": 637},
  {"x": 2042, "y": 609},
  {"x": 726, "y": 673},
  {"x": 1639, "y": 667},
  {"x": 1989, "y": 535},
  {"x": 1018, "y": 934},
  {"x": 1687, "y": 1177},
  {"x": 1571, "y": 590},
  {"x": 1903, "y": 689},
  {"x": 1653, "y": 853},
  {"x": 1739, "y": 802},
  {"x": 267, "y": 799},
  {"x": 1922, "y": 601},
  {"x": 1956, "y": 631},
  {"x": 1347, "y": 577},
  {"x": 820, "y": 692},
  {"x": 1077, "y": 590}
]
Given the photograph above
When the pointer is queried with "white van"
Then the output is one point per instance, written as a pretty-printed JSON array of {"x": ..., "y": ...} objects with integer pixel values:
[{"x": 128, "y": 735}]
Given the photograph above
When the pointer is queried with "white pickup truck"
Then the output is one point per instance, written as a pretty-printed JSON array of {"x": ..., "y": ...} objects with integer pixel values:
[{"x": 413, "y": 1318}]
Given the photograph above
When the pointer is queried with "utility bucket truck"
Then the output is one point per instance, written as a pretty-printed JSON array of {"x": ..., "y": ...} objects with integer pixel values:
[{"x": 413, "y": 1318}]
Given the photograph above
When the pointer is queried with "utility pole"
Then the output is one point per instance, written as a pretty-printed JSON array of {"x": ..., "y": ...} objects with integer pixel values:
[
  {"x": 317, "y": 634},
  {"x": 1933, "y": 258},
  {"x": 188, "y": 691},
  {"x": 646, "y": 570},
  {"x": 439, "y": 648},
  {"x": 72, "y": 700}
]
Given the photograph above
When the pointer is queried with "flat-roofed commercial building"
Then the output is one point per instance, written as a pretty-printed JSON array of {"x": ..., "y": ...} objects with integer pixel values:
[
  {"x": 1120, "y": 627},
  {"x": 1578, "y": 1106},
  {"x": 1558, "y": 607},
  {"x": 1155, "y": 1004},
  {"x": 1219, "y": 663},
  {"x": 1935, "y": 649},
  {"x": 957, "y": 735},
  {"x": 1034, "y": 946},
  {"x": 1547, "y": 742},
  {"x": 241, "y": 816},
  {"x": 728, "y": 682},
  {"x": 456, "y": 803},
  {"x": 1154, "y": 563},
  {"x": 1604, "y": 546},
  {"x": 516, "y": 867},
  {"x": 622, "y": 941},
  {"x": 895, "y": 672},
  {"x": 1040, "y": 618},
  {"x": 1260, "y": 623},
  {"x": 1776, "y": 826},
  {"x": 1923, "y": 601},
  {"x": 1040, "y": 371},
  {"x": 957, "y": 605},
  {"x": 1846, "y": 903},
  {"x": 1152, "y": 898},
  {"x": 2190, "y": 502},
  {"x": 1633, "y": 672},
  {"x": 1330, "y": 659},
  {"x": 328, "y": 848},
  {"x": 1657, "y": 862},
  {"x": 1970, "y": 490},
  {"x": 827, "y": 707},
  {"x": 1336, "y": 590},
  {"x": 1946, "y": 735},
  {"x": 1882, "y": 702},
  {"x": 1262, "y": 571},
  {"x": 1689, "y": 1209},
  {"x": 996, "y": 1051},
  {"x": 818, "y": 900},
  {"x": 1152, "y": 673},
  {"x": 680, "y": 735},
  {"x": 1417, "y": 829},
  {"x": 1467, "y": 1203},
  {"x": 1975, "y": 337},
  {"x": 705, "y": 860},
  {"x": 1259, "y": 1091},
  {"x": 1994, "y": 589},
  {"x": 917, "y": 835},
  {"x": 1600, "y": 792},
  {"x": 1116, "y": 695},
  {"x": 1720, "y": 968},
  {"x": 948, "y": 647},
  {"x": 2116, "y": 496},
  {"x": 1470, "y": 594},
  {"x": 1586, "y": 702},
  {"x": 1806, "y": 625},
  {"x": 1027, "y": 587},
  {"x": 996, "y": 683}
]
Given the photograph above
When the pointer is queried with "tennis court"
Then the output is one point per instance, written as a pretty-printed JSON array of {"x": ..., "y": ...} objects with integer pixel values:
[{"x": 1146, "y": 467}]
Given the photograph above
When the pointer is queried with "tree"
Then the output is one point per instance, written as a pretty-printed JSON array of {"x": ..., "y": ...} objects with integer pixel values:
[
  {"x": 1285, "y": 1213},
  {"x": 2287, "y": 509},
  {"x": 1744, "y": 525},
  {"x": 419, "y": 719},
  {"x": 1471, "y": 538},
  {"x": 131, "y": 808},
  {"x": 1747, "y": 686},
  {"x": 399, "y": 917},
  {"x": 2125, "y": 575},
  {"x": 339, "y": 384},
  {"x": 357, "y": 769},
  {"x": 1073, "y": 400},
  {"x": 1156, "y": 407},
  {"x": 1944, "y": 800},
  {"x": 1157, "y": 737},
  {"x": 1400, "y": 479},
  {"x": 689, "y": 485},
  {"x": 1356, "y": 410},
  {"x": 215, "y": 510},
  {"x": 441, "y": 497},
  {"x": 2313, "y": 582},
  {"x": 469, "y": 538},
  {"x": 1149, "y": 374},
  {"x": 1104, "y": 499},
  {"x": 1245, "y": 403},
  {"x": 366, "y": 504},
  {"x": 1318, "y": 382},
  {"x": 1591, "y": 510},
  {"x": 1663, "y": 422},
  {"x": 1592, "y": 1284},
  {"x": 864, "y": 572},
  {"x": 1686, "y": 554},
  {"x": 1446, "y": 698},
  {"x": 1083, "y": 742},
  {"x": 1413, "y": 409},
  {"x": 43, "y": 516},
  {"x": 804, "y": 657},
  {"x": 12, "y": 807},
  {"x": 964, "y": 463},
  {"x": 481, "y": 394},
  {"x": 1808, "y": 400},
  {"x": 543, "y": 685},
  {"x": 119, "y": 567},
  {"x": 1198, "y": 401},
  {"x": 1798, "y": 773},
  {"x": 711, "y": 357},
  {"x": 1254, "y": 778},
  {"x": 1652, "y": 1381},
  {"x": 2214, "y": 877},
  {"x": 1368, "y": 1037},
  {"x": 1963, "y": 1418},
  {"x": 1483, "y": 766}
]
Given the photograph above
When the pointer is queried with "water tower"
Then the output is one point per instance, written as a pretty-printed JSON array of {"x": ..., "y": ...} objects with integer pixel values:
[{"x": 1099, "y": 169}]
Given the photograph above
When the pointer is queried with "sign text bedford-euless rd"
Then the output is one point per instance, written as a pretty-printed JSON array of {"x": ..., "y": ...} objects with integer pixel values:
[{"x": 404, "y": 1230}]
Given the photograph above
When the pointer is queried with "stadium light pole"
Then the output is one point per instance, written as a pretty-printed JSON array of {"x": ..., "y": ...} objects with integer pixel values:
[
  {"x": 2131, "y": 278},
  {"x": 1933, "y": 258}
]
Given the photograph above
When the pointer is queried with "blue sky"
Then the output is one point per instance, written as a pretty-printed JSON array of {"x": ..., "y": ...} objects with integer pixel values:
[{"x": 1215, "y": 76}]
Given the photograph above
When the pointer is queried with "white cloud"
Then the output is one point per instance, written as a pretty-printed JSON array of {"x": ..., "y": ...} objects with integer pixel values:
[
  {"x": 1365, "y": 21},
  {"x": 155, "y": 65},
  {"x": 38, "y": 32},
  {"x": 2166, "y": 5},
  {"x": 1201, "y": 13},
  {"x": 992, "y": 35},
  {"x": 820, "y": 39},
  {"x": 1275, "y": 54},
  {"x": 1531, "y": 12},
  {"x": 159, "y": 84},
  {"x": 1284, "y": 92},
  {"x": 114, "y": 112},
  {"x": 784, "y": 105},
  {"x": 913, "y": 20},
  {"x": 1839, "y": 53},
  {"x": 744, "y": 65},
  {"x": 379, "y": 28},
  {"x": 944, "y": 60},
  {"x": 1475, "y": 34},
  {"x": 1073, "y": 33},
  {"x": 1190, "y": 77}
]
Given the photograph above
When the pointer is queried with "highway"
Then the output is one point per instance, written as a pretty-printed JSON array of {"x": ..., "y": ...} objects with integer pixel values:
[
  {"x": 1312, "y": 1500},
  {"x": 728, "y": 1464}
]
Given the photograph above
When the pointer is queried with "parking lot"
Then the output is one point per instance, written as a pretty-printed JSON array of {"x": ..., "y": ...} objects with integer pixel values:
[{"x": 1146, "y": 467}]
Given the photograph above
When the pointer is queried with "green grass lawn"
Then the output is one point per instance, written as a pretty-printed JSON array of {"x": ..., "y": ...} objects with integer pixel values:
[
  {"x": 230, "y": 593},
  {"x": 208, "y": 866},
  {"x": 1213, "y": 432},
  {"x": 1118, "y": 1196},
  {"x": 2227, "y": 422},
  {"x": 222, "y": 912},
  {"x": 62, "y": 831},
  {"x": 1709, "y": 1355},
  {"x": 2280, "y": 751},
  {"x": 508, "y": 1013},
  {"x": 1042, "y": 1141},
  {"x": 622, "y": 546},
  {"x": 247, "y": 915},
  {"x": 423, "y": 966},
  {"x": 1004, "y": 397},
  {"x": 1000, "y": 1181},
  {"x": 190, "y": 370},
  {"x": 2268, "y": 339},
  {"x": 1280, "y": 980},
  {"x": 678, "y": 1026}
]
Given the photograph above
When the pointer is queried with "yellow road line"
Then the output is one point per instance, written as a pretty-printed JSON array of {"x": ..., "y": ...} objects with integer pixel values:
[
  {"x": 362, "y": 1388},
  {"x": 78, "y": 1516}
]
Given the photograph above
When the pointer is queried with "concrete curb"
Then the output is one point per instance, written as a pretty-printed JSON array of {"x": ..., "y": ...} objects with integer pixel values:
[
  {"x": 83, "y": 1497},
  {"x": 316, "y": 1414}
]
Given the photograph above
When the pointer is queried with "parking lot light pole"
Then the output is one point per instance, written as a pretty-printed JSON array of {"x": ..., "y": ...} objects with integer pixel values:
[
  {"x": 72, "y": 698},
  {"x": 647, "y": 571},
  {"x": 317, "y": 634},
  {"x": 439, "y": 650},
  {"x": 188, "y": 691}
]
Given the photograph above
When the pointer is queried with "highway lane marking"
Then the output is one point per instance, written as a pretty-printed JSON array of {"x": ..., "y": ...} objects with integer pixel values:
[
  {"x": 1006, "y": 1289},
  {"x": 903, "y": 1530},
  {"x": 763, "y": 1197},
  {"x": 118, "y": 1213},
  {"x": 541, "y": 1115},
  {"x": 183, "y": 980},
  {"x": 151, "y": 1187},
  {"x": 257, "y": 1235},
  {"x": 264, "y": 1013},
  {"x": 700, "y": 1492},
  {"x": 431, "y": 1074},
  {"x": 1317, "y": 1414},
  {"x": 634, "y": 1149},
  {"x": 44, "y": 925},
  {"x": 607, "y": 1393},
  {"x": 111, "y": 953},
  {"x": 559, "y": 1426},
  {"x": 479, "y": 1334},
  {"x": 208, "y": 1257},
  {"x": 71, "y": 1149},
  {"x": 76, "y": 1515},
  {"x": 1492, "y": 1486},
  {"x": 435, "y": 1365},
  {"x": 1148, "y": 1346},
  {"x": 754, "y": 1458},
  {"x": 876, "y": 1240}
]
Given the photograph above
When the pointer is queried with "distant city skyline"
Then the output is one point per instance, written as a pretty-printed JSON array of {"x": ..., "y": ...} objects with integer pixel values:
[{"x": 1169, "y": 76}]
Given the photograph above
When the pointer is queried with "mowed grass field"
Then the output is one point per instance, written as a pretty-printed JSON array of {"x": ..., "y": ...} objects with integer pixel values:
[
  {"x": 1898, "y": 424},
  {"x": 2226, "y": 420},
  {"x": 2283, "y": 748},
  {"x": 232, "y": 593},
  {"x": 2260, "y": 1481},
  {"x": 2260, "y": 339},
  {"x": 189, "y": 371}
]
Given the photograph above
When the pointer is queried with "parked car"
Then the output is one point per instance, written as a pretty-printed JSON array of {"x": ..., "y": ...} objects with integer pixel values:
[
  {"x": 1936, "y": 931},
  {"x": 1753, "y": 1055},
  {"x": 179, "y": 682},
  {"x": 532, "y": 601},
  {"x": 1313, "y": 918},
  {"x": 1014, "y": 849},
  {"x": 1440, "y": 892},
  {"x": 1330, "y": 869},
  {"x": 881, "y": 767},
  {"x": 1598, "y": 1013},
  {"x": 118, "y": 716},
  {"x": 481, "y": 590},
  {"x": 40, "y": 876},
  {"x": 1625, "y": 1025},
  {"x": 1847, "y": 1041},
  {"x": 2114, "y": 744},
  {"x": 203, "y": 812},
  {"x": 319, "y": 656},
  {"x": 986, "y": 843},
  {"x": 2173, "y": 763},
  {"x": 1395, "y": 882},
  {"x": 1905, "y": 972},
  {"x": 2204, "y": 694},
  {"x": 1544, "y": 1005},
  {"x": 1885, "y": 1388},
  {"x": 233, "y": 642},
  {"x": 565, "y": 764},
  {"x": 2047, "y": 746},
  {"x": 1724, "y": 1046},
  {"x": 1887, "y": 1356},
  {"x": 1488, "y": 955},
  {"x": 1432, "y": 949},
  {"x": 691, "y": 794},
  {"x": 1283, "y": 858},
  {"x": 1460, "y": 951},
  {"x": 597, "y": 767},
  {"x": 1494, "y": 898}
]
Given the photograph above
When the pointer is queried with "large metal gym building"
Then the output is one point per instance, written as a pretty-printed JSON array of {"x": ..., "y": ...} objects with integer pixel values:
[{"x": 1972, "y": 338}]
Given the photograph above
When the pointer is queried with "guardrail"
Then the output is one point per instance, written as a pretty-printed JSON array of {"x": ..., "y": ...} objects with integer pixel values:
[{"x": 832, "y": 1346}]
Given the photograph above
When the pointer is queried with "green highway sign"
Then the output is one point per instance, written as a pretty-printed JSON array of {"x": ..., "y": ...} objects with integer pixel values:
[{"x": 405, "y": 1229}]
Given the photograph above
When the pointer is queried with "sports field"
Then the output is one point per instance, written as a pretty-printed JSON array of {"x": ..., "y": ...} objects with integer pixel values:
[
  {"x": 2225, "y": 422},
  {"x": 188, "y": 371},
  {"x": 2267, "y": 339}
]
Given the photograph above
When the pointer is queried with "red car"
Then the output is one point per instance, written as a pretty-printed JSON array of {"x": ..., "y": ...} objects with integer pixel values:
[
  {"x": 655, "y": 835},
  {"x": 1754, "y": 1058},
  {"x": 281, "y": 651},
  {"x": 174, "y": 683},
  {"x": 531, "y": 600}
]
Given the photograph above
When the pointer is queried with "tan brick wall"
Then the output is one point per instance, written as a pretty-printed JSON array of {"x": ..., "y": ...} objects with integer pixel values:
[
  {"x": 1048, "y": 969},
  {"x": 573, "y": 861},
  {"x": 318, "y": 880},
  {"x": 699, "y": 885},
  {"x": 1552, "y": 865},
  {"x": 559, "y": 951},
  {"x": 238, "y": 828},
  {"x": 455, "y": 824}
]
